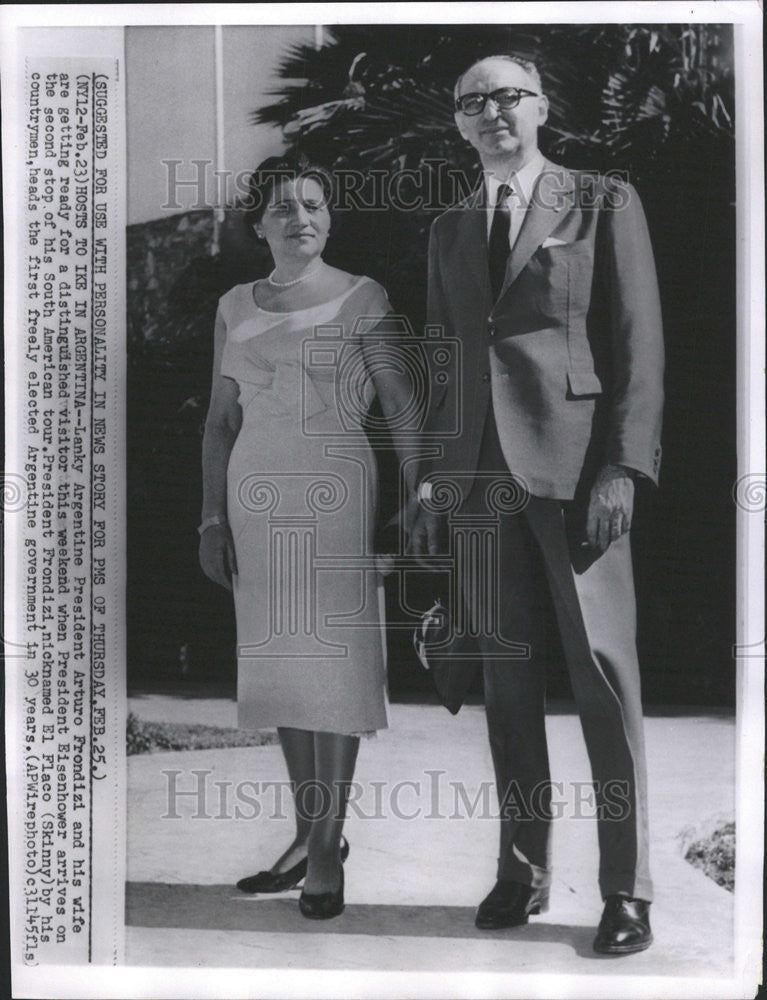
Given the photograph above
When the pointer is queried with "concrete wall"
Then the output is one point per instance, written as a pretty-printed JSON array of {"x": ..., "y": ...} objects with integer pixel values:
[{"x": 171, "y": 106}]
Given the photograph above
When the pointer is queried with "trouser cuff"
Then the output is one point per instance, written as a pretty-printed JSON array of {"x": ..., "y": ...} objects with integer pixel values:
[
  {"x": 626, "y": 884},
  {"x": 514, "y": 869}
]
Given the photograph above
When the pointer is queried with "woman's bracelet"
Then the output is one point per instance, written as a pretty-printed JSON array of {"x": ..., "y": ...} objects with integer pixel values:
[{"x": 210, "y": 522}]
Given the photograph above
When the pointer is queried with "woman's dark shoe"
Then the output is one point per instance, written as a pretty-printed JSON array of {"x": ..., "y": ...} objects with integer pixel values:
[
  {"x": 282, "y": 881},
  {"x": 274, "y": 881},
  {"x": 322, "y": 905}
]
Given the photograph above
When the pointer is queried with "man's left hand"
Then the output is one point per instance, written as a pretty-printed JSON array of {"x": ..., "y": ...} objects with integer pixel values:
[{"x": 611, "y": 506}]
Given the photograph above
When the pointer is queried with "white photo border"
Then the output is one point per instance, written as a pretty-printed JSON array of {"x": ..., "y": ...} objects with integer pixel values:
[{"x": 129, "y": 981}]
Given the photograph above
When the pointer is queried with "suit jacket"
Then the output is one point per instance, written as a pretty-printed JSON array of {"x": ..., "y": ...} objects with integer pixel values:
[{"x": 572, "y": 350}]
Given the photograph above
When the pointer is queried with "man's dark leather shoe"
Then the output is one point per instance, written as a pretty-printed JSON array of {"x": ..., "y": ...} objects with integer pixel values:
[
  {"x": 624, "y": 927},
  {"x": 509, "y": 904}
]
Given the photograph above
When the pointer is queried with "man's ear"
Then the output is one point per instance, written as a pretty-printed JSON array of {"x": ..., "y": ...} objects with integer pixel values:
[{"x": 543, "y": 109}]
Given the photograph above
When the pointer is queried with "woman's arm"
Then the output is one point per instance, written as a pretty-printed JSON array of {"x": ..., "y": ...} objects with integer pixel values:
[{"x": 222, "y": 426}]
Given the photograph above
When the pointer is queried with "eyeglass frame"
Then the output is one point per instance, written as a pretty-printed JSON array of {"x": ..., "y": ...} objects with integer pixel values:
[{"x": 519, "y": 91}]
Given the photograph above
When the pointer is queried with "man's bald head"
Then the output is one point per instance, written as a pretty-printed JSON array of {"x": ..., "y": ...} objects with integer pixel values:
[
  {"x": 529, "y": 67},
  {"x": 506, "y": 137}
]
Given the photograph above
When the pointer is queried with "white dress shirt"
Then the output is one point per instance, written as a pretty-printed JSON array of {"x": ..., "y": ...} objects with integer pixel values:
[{"x": 522, "y": 183}]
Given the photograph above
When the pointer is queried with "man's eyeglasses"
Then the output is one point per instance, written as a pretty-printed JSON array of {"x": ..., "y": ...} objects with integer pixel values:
[{"x": 504, "y": 99}]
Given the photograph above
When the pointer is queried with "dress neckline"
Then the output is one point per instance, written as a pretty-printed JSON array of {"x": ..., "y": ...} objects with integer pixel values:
[{"x": 317, "y": 305}]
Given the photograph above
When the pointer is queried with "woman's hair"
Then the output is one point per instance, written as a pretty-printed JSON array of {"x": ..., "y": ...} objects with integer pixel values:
[{"x": 272, "y": 171}]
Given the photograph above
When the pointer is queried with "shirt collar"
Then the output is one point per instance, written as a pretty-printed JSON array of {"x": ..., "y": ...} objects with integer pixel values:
[{"x": 522, "y": 181}]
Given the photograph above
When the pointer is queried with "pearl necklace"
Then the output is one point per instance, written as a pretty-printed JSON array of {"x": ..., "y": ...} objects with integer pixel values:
[{"x": 295, "y": 281}]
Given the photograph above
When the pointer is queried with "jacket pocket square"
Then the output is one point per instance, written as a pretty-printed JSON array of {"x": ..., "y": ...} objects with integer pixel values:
[{"x": 552, "y": 241}]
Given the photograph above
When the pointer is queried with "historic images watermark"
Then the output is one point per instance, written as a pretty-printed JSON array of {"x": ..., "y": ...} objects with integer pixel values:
[
  {"x": 435, "y": 186},
  {"x": 429, "y": 796}
]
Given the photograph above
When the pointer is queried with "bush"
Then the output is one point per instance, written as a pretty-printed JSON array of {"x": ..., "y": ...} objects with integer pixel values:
[
  {"x": 148, "y": 737},
  {"x": 714, "y": 854}
]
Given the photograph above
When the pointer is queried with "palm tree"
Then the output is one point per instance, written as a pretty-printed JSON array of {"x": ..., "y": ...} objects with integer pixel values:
[
  {"x": 655, "y": 102},
  {"x": 382, "y": 95}
]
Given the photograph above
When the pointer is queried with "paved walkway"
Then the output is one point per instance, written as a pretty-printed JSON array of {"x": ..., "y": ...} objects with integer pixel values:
[{"x": 423, "y": 845}]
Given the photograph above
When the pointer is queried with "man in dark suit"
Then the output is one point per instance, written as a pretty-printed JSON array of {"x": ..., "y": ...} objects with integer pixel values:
[{"x": 546, "y": 278}]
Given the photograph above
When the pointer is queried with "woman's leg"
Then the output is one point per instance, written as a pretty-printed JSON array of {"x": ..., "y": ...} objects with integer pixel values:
[
  {"x": 335, "y": 756},
  {"x": 298, "y": 750}
]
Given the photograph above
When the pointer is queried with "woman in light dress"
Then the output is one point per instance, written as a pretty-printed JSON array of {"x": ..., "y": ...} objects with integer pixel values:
[{"x": 289, "y": 503}]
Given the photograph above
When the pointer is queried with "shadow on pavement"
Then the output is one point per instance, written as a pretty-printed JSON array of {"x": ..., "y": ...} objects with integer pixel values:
[{"x": 220, "y": 907}]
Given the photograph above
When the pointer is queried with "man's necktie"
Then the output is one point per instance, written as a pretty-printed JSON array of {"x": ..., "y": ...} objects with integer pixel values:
[{"x": 498, "y": 243}]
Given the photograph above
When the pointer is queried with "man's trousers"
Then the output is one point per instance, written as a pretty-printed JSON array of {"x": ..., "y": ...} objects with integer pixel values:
[{"x": 540, "y": 557}]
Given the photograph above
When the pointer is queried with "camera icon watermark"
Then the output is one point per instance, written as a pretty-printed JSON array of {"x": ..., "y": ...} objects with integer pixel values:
[{"x": 354, "y": 358}]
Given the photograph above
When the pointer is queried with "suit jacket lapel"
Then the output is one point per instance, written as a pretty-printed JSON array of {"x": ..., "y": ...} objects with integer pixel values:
[
  {"x": 472, "y": 239},
  {"x": 552, "y": 195}
]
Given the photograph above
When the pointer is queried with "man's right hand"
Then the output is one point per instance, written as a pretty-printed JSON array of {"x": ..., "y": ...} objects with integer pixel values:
[
  {"x": 217, "y": 556},
  {"x": 425, "y": 537}
]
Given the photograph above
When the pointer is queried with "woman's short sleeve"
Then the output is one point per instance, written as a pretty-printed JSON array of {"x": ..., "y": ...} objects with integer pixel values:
[
  {"x": 225, "y": 306},
  {"x": 372, "y": 309},
  {"x": 378, "y": 303},
  {"x": 229, "y": 359}
]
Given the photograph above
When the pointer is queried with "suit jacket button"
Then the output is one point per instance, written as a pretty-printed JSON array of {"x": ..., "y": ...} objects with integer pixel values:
[
  {"x": 491, "y": 328},
  {"x": 486, "y": 377}
]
